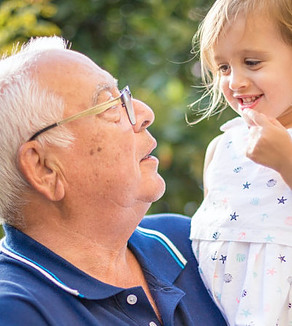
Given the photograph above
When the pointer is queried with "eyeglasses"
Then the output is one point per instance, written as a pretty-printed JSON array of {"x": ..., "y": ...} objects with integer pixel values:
[{"x": 125, "y": 97}]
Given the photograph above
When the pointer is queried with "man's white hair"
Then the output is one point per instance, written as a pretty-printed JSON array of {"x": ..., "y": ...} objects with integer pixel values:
[{"x": 25, "y": 108}]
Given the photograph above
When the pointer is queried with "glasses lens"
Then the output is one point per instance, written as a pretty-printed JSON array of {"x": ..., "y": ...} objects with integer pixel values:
[{"x": 127, "y": 99}]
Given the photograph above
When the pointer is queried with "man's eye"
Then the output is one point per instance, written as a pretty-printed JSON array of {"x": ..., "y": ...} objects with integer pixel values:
[
  {"x": 114, "y": 107},
  {"x": 224, "y": 69}
]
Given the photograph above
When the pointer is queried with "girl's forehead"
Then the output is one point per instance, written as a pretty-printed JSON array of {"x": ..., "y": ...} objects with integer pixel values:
[{"x": 248, "y": 23}]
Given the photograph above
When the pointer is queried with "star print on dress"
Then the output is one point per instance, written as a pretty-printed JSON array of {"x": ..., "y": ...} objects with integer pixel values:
[
  {"x": 245, "y": 312},
  {"x": 271, "y": 271},
  {"x": 281, "y": 200},
  {"x": 246, "y": 185},
  {"x": 223, "y": 259},
  {"x": 268, "y": 238},
  {"x": 233, "y": 216},
  {"x": 282, "y": 259}
]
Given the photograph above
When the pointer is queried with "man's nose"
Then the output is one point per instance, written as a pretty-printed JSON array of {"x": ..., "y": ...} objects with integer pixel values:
[{"x": 144, "y": 115}]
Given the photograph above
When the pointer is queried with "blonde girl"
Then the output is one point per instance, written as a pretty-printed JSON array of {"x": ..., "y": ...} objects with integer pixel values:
[{"x": 242, "y": 232}]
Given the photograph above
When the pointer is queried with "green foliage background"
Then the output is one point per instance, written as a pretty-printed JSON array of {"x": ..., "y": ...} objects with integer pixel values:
[{"x": 147, "y": 45}]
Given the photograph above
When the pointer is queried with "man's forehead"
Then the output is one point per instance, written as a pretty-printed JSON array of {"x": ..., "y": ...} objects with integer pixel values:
[{"x": 70, "y": 68}]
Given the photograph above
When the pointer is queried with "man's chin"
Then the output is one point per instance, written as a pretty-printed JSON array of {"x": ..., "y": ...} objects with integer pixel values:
[{"x": 159, "y": 190}]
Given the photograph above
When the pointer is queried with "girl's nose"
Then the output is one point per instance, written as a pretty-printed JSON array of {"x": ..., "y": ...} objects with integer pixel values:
[{"x": 237, "y": 80}]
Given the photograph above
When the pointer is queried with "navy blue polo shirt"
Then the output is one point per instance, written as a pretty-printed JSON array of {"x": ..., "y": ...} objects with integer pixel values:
[{"x": 37, "y": 287}]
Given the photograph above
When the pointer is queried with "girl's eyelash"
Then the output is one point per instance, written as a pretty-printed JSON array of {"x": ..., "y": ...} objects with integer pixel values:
[
  {"x": 225, "y": 68},
  {"x": 252, "y": 62}
]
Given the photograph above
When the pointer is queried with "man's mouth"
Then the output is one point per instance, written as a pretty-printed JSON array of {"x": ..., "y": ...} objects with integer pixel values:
[
  {"x": 145, "y": 157},
  {"x": 149, "y": 154}
]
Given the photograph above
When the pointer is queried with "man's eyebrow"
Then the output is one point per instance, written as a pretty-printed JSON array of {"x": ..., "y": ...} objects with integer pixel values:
[{"x": 103, "y": 87}]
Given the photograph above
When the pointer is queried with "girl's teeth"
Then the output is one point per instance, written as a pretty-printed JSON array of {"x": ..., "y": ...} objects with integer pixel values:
[{"x": 249, "y": 99}]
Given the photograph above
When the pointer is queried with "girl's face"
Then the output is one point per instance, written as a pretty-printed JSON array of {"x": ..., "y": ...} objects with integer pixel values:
[{"x": 255, "y": 67}]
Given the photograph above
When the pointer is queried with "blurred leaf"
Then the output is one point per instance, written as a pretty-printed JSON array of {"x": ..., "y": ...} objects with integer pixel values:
[{"x": 22, "y": 19}]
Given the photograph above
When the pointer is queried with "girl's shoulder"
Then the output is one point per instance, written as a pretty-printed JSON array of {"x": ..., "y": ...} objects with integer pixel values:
[{"x": 233, "y": 123}]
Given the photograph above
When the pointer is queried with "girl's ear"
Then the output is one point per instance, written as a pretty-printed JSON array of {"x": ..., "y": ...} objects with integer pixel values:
[{"x": 40, "y": 170}]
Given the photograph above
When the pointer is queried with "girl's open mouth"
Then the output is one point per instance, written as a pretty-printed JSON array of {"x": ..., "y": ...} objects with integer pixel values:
[{"x": 249, "y": 101}]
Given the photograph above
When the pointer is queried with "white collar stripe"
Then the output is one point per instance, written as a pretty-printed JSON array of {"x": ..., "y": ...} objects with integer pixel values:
[
  {"x": 171, "y": 248},
  {"x": 13, "y": 254}
]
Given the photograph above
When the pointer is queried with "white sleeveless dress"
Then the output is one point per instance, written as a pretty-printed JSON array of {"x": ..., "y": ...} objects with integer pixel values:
[{"x": 242, "y": 235}]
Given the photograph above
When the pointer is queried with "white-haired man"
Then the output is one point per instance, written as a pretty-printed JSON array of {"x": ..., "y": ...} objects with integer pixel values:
[{"x": 77, "y": 177}]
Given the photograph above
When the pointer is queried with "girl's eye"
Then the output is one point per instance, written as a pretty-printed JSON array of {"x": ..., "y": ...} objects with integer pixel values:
[
  {"x": 252, "y": 63},
  {"x": 224, "y": 69}
]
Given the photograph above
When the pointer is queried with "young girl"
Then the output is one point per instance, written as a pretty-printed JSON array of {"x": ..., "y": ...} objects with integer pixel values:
[{"x": 242, "y": 233}]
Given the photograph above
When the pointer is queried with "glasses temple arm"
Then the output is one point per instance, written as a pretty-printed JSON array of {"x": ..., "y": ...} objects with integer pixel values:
[{"x": 98, "y": 109}]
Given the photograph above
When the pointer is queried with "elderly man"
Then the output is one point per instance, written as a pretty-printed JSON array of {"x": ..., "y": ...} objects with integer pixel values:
[{"x": 77, "y": 177}]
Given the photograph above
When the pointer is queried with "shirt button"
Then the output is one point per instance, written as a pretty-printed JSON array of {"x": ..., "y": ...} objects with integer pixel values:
[
  {"x": 152, "y": 323},
  {"x": 132, "y": 299}
]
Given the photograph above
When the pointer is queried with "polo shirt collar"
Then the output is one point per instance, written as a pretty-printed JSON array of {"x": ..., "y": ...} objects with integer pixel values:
[{"x": 156, "y": 256}]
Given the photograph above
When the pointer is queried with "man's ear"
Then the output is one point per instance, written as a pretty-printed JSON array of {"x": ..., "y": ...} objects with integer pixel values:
[{"x": 40, "y": 170}]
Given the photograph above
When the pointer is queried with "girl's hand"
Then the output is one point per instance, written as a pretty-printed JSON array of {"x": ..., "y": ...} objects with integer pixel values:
[{"x": 269, "y": 143}]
